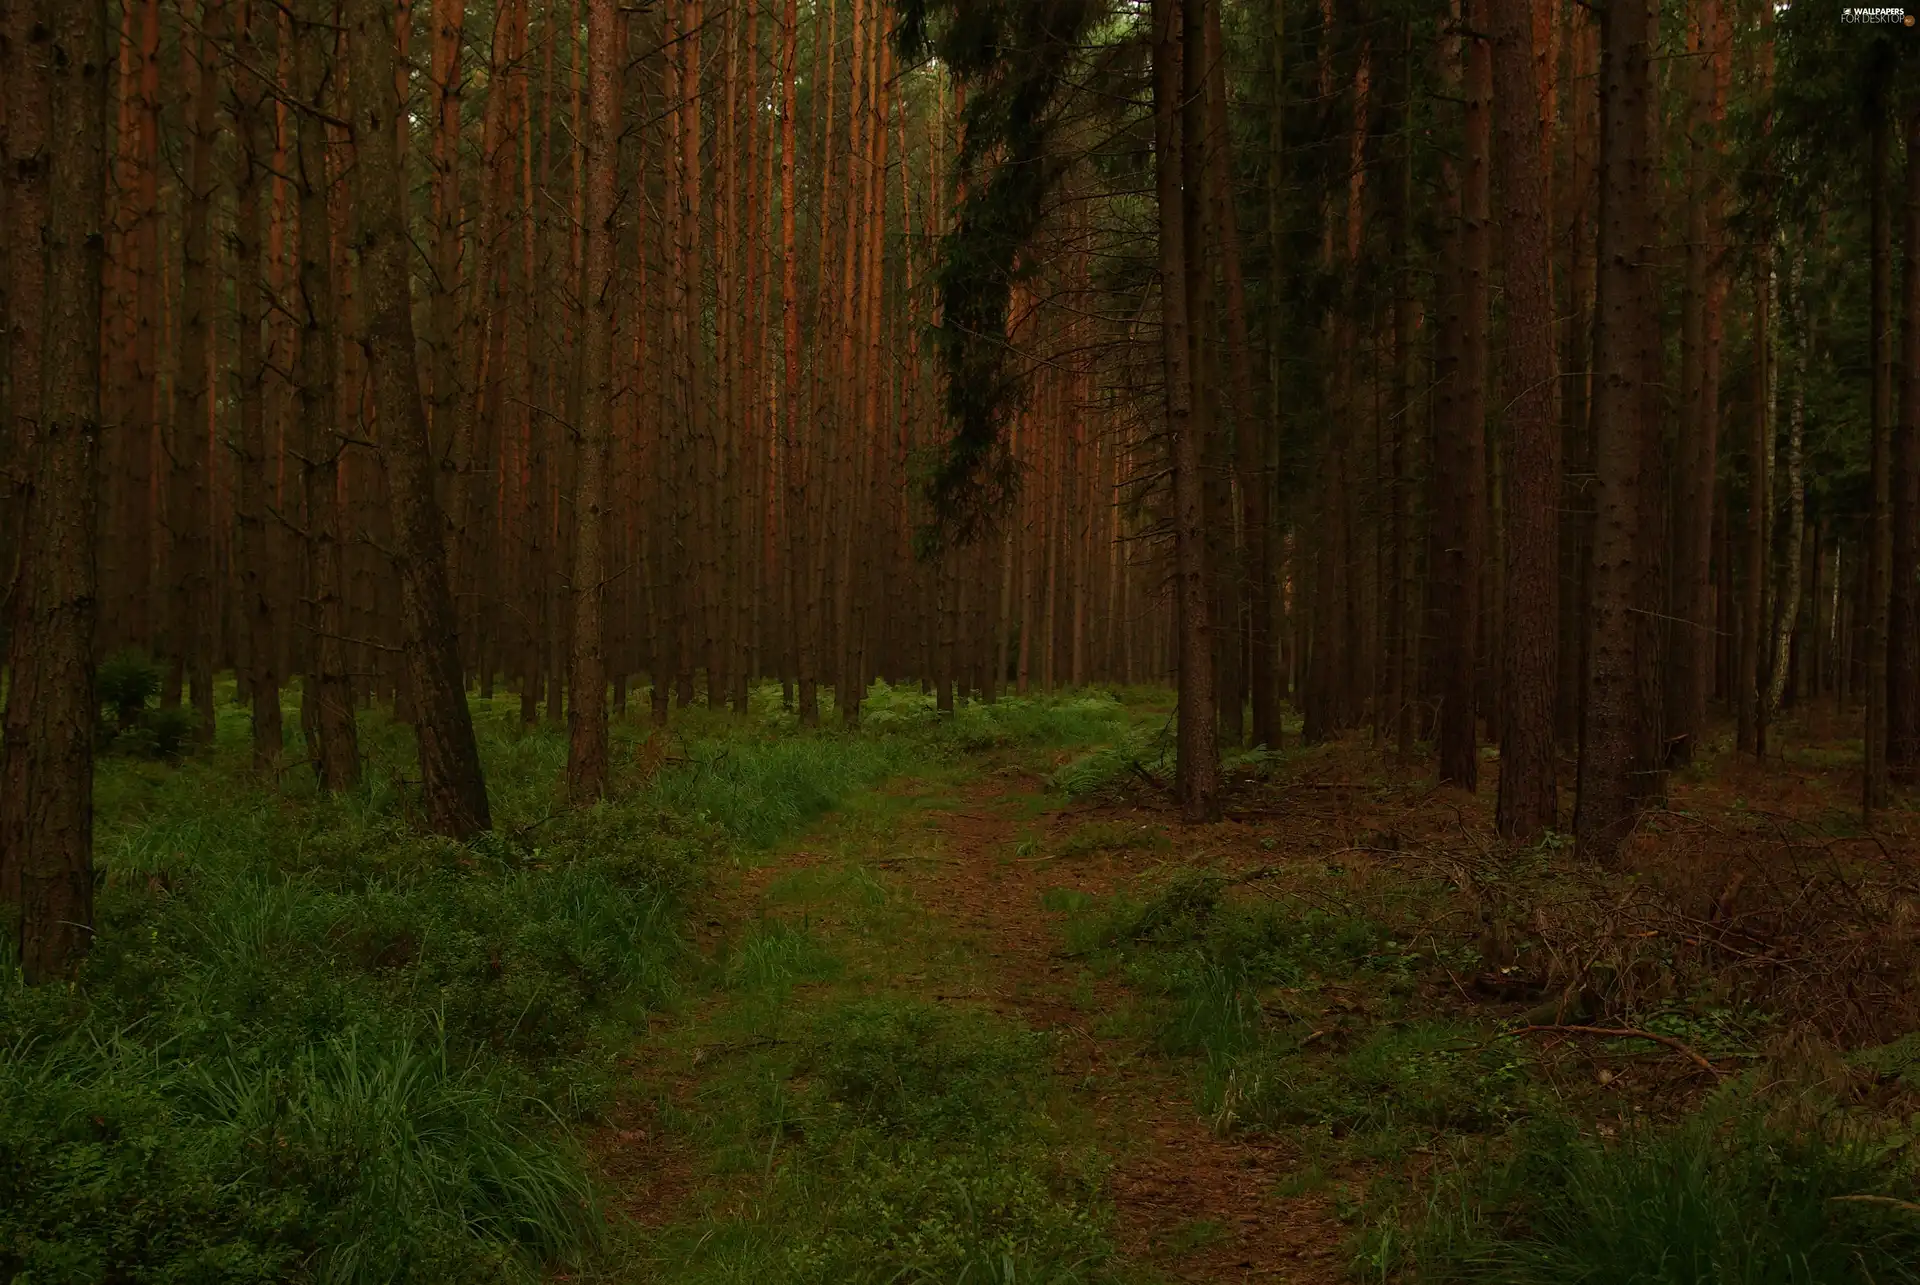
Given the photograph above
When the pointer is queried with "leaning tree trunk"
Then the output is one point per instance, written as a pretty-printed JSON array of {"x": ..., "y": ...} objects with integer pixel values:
[
  {"x": 46, "y": 776},
  {"x": 456, "y": 794},
  {"x": 1527, "y": 803},
  {"x": 587, "y": 712},
  {"x": 1604, "y": 813},
  {"x": 1197, "y": 755}
]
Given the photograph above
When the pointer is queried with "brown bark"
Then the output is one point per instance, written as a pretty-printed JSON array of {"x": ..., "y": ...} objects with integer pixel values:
[
  {"x": 587, "y": 716},
  {"x": 1879, "y": 569},
  {"x": 255, "y": 546},
  {"x": 1461, "y": 474},
  {"x": 190, "y": 491},
  {"x": 443, "y": 296},
  {"x": 1786, "y": 614},
  {"x": 1903, "y": 624},
  {"x": 333, "y": 737},
  {"x": 1605, "y": 810},
  {"x": 1690, "y": 667},
  {"x": 1528, "y": 801},
  {"x": 1197, "y": 754},
  {"x": 1749, "y": 715},
  {"x": 56, "y": 146},
  {"x": 455, "y": 793},
  {"x": 801, "y": 620}
]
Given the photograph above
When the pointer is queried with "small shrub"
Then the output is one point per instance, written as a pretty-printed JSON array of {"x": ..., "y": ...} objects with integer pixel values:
[{"x": 125, "y": 682}]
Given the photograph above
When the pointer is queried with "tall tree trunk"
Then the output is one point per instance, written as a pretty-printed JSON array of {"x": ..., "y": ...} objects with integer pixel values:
[
  {"x": 1604, "y": 813},
  {"x": 334, "y": 740},
  {"x": 1903, "y": 625},
  {"x": 587, "y": 715},
  {"x": 259, "y": 569},
  {"x": 1690, "y": 669},
  {"x": 190, "y": 498},
  {"x": 1879, "y": 578},
  {"x": 57, "y": 176},
  {"x": 1248, "y": 438},
  {"x": 456, "y": 796},
  {"x": 1786, "y": 614},
  {"x": 1463, "y": 497},
  {"x": 1197, "y": 754},
  {"x": 1528, "y": 801},
  {"x": 443, "y": 298},
  {"x": 1748, "y": 714},
  {"x": 1266, "y": 606}
]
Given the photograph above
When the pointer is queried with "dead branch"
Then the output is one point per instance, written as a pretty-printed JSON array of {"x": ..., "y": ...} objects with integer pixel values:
[{"x": 1625, "y": 1033}]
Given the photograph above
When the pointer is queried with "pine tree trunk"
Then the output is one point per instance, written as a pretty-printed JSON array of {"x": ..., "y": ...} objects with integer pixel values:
[
  {"x": 1528, "y": 799},
  {"x": 1787, "y": 598},
  {"x": 190, "y": 497},
  {"x": 1879, "y": 569},
  {"x": 1604, "y": 812},
  {"x": 455, "y": 793},
  {"x": 1197, "y": 753},
  {"x": 334, "y": 740},
  {"x": 1903, "y": 624},
  {"x": 57, "y": 178},
  {"x": 259, "y": 570},
  {"x": 587, "y": 716},
  {"x": 1690, "y": 667},
  {"x": 1461, "y": 501}
]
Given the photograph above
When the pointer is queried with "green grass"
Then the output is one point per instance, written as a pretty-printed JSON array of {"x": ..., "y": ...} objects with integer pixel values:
[
  {"x": 312, "y": 1043},
  {"x": 1711, "y": 1201},
  {"x": 888, "y": 1139}
]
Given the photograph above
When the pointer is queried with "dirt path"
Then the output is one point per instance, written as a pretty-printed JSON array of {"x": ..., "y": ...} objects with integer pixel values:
[
  {"x": 967, "y": 860},
  {"x": 1194, "y": 1205}
]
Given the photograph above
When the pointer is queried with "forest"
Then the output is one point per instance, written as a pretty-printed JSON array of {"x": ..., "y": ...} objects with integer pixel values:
[{"x": 1100, "y": 641}]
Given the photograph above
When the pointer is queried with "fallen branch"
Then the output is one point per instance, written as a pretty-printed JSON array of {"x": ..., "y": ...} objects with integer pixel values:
[{"x": 1625, "y": 1033}]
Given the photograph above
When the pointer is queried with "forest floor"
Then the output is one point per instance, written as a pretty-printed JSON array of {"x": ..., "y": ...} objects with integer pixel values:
[
  {"x": 1004, "y": 1019},
  {"x": 956, "y": 998}
]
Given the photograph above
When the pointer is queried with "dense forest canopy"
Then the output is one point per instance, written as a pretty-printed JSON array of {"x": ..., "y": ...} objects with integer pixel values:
[{"x": 1530, "y": 375}]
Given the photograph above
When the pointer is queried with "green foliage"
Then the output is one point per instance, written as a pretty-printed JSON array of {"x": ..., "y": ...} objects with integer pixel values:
[
  {"x": 1713, "y": 1201},
  {"x": 125, "y": 682},
  {"x": 899, "y": 1141},
  {"x": 311, "y": 1043}
]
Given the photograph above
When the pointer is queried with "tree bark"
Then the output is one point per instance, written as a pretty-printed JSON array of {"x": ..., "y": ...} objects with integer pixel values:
[
  {"x": 1690, "y": 669},
  {"x": 1527, "y": 803},
  {"x": 1605, "y": 810},
  {"x": 1903, "y": 625},
  {"x": 587, "y": 715},
  {"x": 1879, "y": 577},
  {"x": 334, "y": 738},
  {"x": 258, "y": 568},
  {"x": 190, "y": 497},
  {"x": 455, "y": 793},
  {"x": 57, "y": 161},
  {"x": 1786, "y": 615},
  {"x": 1197, "y": 754},
  {"x": 1463, "y": 498}
]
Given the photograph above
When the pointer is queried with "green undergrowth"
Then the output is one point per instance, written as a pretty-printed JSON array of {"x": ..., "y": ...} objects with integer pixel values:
[
  {"x": 1720, "y": 1197},
  {"x": 879, "y": 1139},
  {"x": 312, "y": 1042},
  {"x": 1311, "y": 1013}
]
